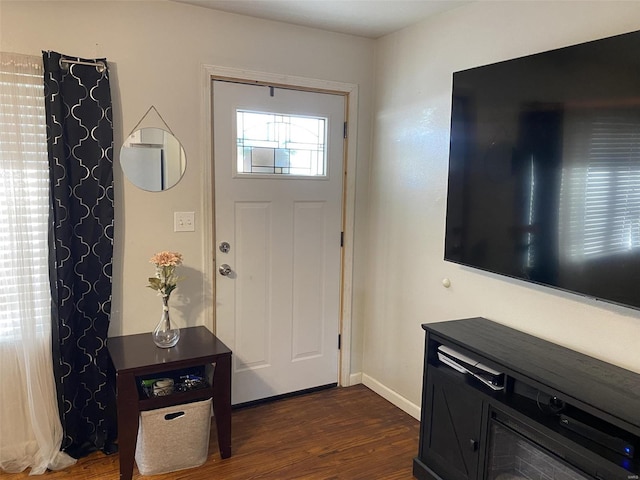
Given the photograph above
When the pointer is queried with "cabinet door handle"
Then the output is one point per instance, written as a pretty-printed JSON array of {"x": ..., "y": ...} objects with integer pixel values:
[{"x": 473, "y": 444}]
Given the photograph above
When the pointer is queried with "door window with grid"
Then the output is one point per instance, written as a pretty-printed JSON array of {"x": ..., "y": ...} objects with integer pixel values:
[{"x": 273, "y": 144}]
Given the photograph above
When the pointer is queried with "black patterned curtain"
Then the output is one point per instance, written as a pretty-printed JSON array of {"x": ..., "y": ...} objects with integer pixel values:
[{"x": 80, "y": 144}]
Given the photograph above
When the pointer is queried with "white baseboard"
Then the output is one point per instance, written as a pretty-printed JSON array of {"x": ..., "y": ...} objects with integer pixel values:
[
  {"x": 354, "y": 379},
  {"x": 393, "y": 397}
]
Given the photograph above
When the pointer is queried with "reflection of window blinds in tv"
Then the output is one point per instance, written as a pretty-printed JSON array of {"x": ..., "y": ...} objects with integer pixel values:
[{"x": 600, "y": 203}]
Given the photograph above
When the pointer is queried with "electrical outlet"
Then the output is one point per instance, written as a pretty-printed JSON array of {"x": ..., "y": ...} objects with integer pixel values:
[{"x": 184, "y": 221}]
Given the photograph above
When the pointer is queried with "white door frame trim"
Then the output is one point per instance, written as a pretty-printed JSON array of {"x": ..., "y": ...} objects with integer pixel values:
[{"x": 213, "y": 72}]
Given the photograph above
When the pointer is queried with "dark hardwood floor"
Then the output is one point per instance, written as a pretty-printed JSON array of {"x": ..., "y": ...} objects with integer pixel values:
[{"x": 341, "y": 433}]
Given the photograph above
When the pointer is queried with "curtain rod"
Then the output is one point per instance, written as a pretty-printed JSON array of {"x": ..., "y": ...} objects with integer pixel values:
[{"x": 99, "y": 65}]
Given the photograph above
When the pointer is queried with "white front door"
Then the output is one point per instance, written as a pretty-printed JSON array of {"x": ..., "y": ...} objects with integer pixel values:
[{"x": 278, "y": 166}]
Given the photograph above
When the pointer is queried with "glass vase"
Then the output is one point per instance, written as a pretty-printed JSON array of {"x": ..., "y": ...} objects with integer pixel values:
[{"x": 165, "y": 335}]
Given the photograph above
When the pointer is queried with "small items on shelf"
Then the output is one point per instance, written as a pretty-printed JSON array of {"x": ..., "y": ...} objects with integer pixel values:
[
  {"x": 160, "y": 387},
  {"x": 190, "y": 382}
]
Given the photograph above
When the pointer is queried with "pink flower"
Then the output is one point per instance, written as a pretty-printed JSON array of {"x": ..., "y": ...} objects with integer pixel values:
[
  {"x": 167, "y": 259},
  {"x": 165, "y": 280}
]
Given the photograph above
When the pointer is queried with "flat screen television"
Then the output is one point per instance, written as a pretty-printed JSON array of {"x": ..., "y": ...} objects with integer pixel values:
[{"x": 544, "y": 169}]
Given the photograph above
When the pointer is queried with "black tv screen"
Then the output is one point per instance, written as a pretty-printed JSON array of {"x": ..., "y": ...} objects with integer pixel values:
[{"x": 544, "y": 169}]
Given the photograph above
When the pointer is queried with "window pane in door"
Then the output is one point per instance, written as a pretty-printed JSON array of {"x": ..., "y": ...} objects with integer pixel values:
[{"x": 274, "y": 144}]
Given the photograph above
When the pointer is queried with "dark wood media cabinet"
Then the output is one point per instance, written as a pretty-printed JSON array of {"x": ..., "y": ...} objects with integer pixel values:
[{"x": 544, "y": 384}]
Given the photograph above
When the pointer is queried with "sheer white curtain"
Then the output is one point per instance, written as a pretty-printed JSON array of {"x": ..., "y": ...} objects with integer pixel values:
[{"x": 30, "y": 429}]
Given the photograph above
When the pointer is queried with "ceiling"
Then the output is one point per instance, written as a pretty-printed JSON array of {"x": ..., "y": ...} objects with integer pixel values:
[{"x": 365, "y": 18}]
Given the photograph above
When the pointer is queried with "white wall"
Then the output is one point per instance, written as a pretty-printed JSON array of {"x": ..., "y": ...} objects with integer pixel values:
[
  {"x": 155, "y": 51},
  {"x": 408, "y": 194}
]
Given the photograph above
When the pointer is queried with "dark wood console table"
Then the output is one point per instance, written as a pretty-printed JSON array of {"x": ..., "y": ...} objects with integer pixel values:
[
  {"x": 136, "y": 356},
  {"x": 579, "y": 412}
]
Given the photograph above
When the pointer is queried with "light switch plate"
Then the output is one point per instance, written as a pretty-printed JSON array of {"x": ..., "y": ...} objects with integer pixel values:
[{"x": 184, "y": 221}]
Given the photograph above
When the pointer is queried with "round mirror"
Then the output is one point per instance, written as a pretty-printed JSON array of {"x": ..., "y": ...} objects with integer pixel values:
[{"x": 153, "y": 159}]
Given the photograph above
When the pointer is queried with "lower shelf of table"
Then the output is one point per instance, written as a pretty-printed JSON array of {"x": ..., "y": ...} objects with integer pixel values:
[
  {"x": 175, "y": 399},
  {"x": 183, "y": 390}
]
